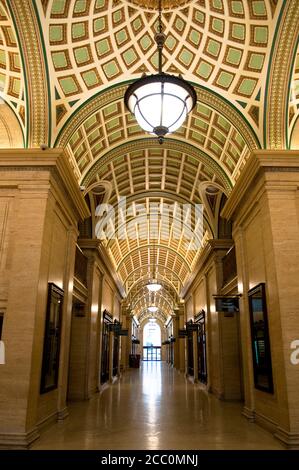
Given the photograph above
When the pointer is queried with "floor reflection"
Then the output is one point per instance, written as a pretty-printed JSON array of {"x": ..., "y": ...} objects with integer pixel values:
[
  {"x": 152, "y": 408},
  {"x": 151, "y": 379},
  {"x": 151, "y": 390}
]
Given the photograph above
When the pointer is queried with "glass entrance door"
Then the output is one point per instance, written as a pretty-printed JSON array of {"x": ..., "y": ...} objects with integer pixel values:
[{"x": 152, "y": 353}]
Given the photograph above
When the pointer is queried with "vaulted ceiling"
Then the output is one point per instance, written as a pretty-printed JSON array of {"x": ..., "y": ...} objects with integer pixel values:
[
  {"x": 222, "y": 45},
  {"x": 64, "y": 68}
]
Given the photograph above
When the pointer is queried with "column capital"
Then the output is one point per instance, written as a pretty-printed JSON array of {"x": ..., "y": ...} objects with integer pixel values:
[
  {"x": 274, "y": 170},
  {"x": 54, "y": 165}
]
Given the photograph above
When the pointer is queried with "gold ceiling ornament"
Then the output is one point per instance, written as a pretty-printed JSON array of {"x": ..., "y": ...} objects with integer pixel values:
[
  {"x": 160, "y": 102},
  {"x": 35, "y": 67},
  {"x": 152, "y": 4},
  {"x": 279, "y": 76}
]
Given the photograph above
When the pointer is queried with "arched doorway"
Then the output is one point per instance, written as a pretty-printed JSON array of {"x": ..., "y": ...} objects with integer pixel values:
[{"x": 152, "y": 341}]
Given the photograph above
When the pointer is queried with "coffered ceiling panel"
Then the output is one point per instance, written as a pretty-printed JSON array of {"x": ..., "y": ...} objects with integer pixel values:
[
  {"x": 145, "y": 316},
  {"x": 222, "y": 45},
  {"x": 155, "y": 180},
  {"x": 205, "y": 128},
  {"x": 12, "y": 84},
  {"x": 145, "y": 300}
]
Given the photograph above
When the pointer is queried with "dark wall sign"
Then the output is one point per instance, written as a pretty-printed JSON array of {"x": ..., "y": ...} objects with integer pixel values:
[
  {"x": 123, "y": 333},
  {"x": 182, "y": 333},
  {"x": 227, "y": 304}
]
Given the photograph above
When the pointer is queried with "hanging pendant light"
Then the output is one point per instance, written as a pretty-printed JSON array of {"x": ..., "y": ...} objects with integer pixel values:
[
  {"x": 153, "y": 285},
  {"x": 161, "y": 102},
  {"x": 152, "y": 309}
]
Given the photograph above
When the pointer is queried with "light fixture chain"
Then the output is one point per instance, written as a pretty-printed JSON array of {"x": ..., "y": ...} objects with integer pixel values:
[
  {"x": 160, "y": 37},
  {"x": 160, "y": 16}
]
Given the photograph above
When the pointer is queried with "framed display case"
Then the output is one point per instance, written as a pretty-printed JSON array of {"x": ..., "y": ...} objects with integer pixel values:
[
  {"x": 261, "y": 353},
  {"x": 50, "y": 365},
  {"x": 190, "y": 327},
  {"x": 1, "y": 323},
  {"x": 105, "y": 363},
  {"x": 2, "y": 347},
  {"x": 200, "y": 320}
]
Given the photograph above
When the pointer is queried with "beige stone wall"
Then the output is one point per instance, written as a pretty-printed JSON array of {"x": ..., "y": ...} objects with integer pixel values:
[
  {"x": 265, "y": 209},
  {"x": 231, "y": 360},
  {"x": 78, "y": 353},
  {"x": 256, "y": 247},
  {"x": 222, "y": 333},
  {"x": 108, "y": 297},
  {"x": 189, "y": 308},
  {"x": 214, "y": 345},
  {"x": 199, "y": 295},
  {"x": 54, "y": 256},
  {"x": 86, "y": 333},
  {"x": 117, "y": 307},
  {"x": 40, "y": 205}
]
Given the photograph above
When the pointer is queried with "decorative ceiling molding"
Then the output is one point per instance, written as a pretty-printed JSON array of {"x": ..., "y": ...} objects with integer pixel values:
[
  {"x": 276, "y": 107},
  {"x": 158, "y": 246},
  {"x": 143, "y": 303},
  {"x": 149, "y": 179},
  {"x": 144, "y": 316},
  {"x": 97, "y": 102},
  {"x": 12, "y": 80},
  {"x": 222, "y": 44},
  {"x": 162, "y": 278},
  {"x": 36, "y": 76},
  {"x": 204, "y": 96},
  {"x": 153, "y": 4},
  {"x": 161, "y": 295},
  {"x": 151, "y": 143},
  {"x": 228, "y": 111}
]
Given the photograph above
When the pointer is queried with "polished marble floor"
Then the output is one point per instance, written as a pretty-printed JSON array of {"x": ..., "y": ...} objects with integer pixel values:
[{"x": 153, "y": 408}]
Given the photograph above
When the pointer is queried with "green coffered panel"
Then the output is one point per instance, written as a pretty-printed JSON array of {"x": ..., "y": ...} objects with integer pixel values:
[{"x": 224, "y": 45}]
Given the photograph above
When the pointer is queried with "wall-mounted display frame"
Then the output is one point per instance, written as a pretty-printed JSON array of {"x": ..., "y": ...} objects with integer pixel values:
[
  {"x": 1, "y": 323},
  {"x": 50, "y": 364},
  {"x": 2, "y": 347},
  {"x": 261, "y": 352},
  {"x": 105, "y": 361},
  {"x": 200, "y": 320}
]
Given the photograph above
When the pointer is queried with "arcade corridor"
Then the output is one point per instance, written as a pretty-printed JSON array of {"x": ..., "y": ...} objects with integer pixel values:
[
  {"x": 154, "y": 408},
  {"x": 135, "y": 199}
]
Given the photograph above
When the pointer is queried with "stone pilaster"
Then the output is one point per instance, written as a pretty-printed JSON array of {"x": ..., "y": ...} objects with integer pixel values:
[
  {"x": 40, "y": 206},
  {"x": 264, "y": 207},
  {"x": 90, "y": 334}
]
